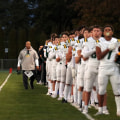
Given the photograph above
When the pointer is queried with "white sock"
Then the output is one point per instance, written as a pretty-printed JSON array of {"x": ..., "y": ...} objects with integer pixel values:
[
  {"x": 62, "y": 85},
  {"x": 69, "y": 92},
  {"x": 48, "y": 86},
  {"x": 83, "y": 104},
  {"x": 51, "y": 87},
  {"x": 79, "y": 97},
  {"x": 95, "y": 96},
  {"x": 66, "y": 92},
  {"x": 46, "y": 78},
  {"x": 92, "y": 97},
  {"x": 100, "y": 109},
  {"x": 75, "y": 94},
  {"x": 104, "y": 108},
  {"x": 117, "y": 100},
  {"x": 56, "y": 87},
  {"x": 86, "y": 107}
]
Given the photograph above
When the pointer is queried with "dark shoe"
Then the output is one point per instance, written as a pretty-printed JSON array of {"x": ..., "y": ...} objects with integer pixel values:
[{"x": 64, "y": 101}]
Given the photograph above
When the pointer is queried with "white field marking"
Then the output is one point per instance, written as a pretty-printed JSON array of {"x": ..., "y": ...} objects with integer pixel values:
[
  {"x": 5, "y": 81},
  {"x": 87, "y": 115}
]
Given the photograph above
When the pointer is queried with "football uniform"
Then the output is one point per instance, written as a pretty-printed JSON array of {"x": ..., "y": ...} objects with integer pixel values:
[
  {"x": 91, "y": 75},
  {"x": 64, "y": 50},
  {"x": 108, "y": 69}
]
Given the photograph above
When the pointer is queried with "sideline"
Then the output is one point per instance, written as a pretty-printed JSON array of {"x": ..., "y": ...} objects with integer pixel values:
[
  {"x": 5, "y": 81},
  {"x": 87, "y": 115}
]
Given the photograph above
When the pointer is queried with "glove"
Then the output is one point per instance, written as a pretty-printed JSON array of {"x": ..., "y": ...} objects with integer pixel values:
[
  {"x": 112, "y": 46},
  {"x": 73, "y": 72}
]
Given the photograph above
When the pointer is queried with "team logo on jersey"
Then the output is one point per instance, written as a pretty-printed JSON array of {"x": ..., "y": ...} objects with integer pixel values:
[
  {"x": 27, "y": 55},
  {"x": 56, "y": 48},
  {"x": 50, "y": 46},
  {"x": 65, "y": 46},
  {"x": 78, "y": 41},
  {"x": 118, "y": 40}
]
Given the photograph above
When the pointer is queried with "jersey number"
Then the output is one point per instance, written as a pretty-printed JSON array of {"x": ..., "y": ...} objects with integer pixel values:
[
  {"x": 109, "y": 55},
  {"x": 93, "y": 55}
]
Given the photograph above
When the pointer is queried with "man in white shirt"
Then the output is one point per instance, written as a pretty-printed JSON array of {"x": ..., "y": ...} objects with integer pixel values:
[{"x": 28, "y": 59}]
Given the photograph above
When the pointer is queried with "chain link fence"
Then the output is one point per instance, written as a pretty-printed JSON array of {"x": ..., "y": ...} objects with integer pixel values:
[{"x": 6, "y": 64}]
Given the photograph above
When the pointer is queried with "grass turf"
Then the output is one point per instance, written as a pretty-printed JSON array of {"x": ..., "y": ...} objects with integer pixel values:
[
  {"x": 16, "y": 103},
  {"x": 111, "y": 107},
  {"x": 3, "y": 76}
]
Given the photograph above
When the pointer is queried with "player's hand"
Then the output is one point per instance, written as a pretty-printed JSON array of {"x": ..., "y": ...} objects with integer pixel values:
[
  {"x": 37, "y": 67},
  {"x": 112, "y": 46},
  {"x": 18, "y": 68}
]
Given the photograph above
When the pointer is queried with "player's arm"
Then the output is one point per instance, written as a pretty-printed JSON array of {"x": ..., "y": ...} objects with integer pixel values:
[
  {"x": 84, "y": 58},
  {"x": 84, "y": 52},
  {"x": 57, "y": 58},
  {"x": 100, "y": 55},
  {"x": 78, "y": 57},
  {"x": 69, "y": 54},
  {"x": 68, "y": 57},
  {"x": 88, "y": 52}
]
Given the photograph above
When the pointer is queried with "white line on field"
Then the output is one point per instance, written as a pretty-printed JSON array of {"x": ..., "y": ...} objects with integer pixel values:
[
  {"x": 5, "y": 81},
  {"x": 87, "y": 115}
]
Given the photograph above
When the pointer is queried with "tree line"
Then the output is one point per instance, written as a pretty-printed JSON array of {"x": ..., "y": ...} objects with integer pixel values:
[{"x": 35, "y": 20}]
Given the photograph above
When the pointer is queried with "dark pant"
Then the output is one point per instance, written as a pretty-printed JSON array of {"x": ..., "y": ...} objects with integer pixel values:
[
  {"x": 38, "y": 76},
  {"x": 25, "y": 80},
  {"x": 43, "y": 73}
]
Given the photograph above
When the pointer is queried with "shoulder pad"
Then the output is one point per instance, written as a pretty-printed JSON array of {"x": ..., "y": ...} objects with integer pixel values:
[
  {"x": 85, "y": 40},
  {"x": 56, "y": 48},
  {"x": 118, "y": 40},
  {"x": 65, "y": 46},
  {"x": 73, "y": 39},
  {"x": 50, "y": 46},
  {"x": 68, "y": 40},
  {"x": 78, "y": 41},
  {"x": 73, "y": 49}
]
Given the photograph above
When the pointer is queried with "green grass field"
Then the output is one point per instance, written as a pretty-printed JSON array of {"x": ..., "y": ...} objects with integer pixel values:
[
  {"x": 3, "y": 75},
  {"x": 16, "y": 103}
]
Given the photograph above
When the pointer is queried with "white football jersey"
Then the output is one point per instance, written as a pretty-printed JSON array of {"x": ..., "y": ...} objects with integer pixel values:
[
  {"x": 64, "y": 50},
  {"x": 92, "y": 46},
  {"x": 86, "y": 43},
  {"x": 110, "y": 57}
]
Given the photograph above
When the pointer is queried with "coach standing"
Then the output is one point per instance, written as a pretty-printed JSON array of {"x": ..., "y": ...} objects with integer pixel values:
[{"x": 28, "y": 59}]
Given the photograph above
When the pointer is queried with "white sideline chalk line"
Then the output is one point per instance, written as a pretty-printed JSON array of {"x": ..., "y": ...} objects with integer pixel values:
[
  {"x": 87, "y": 115},
  {"x": 5, "y": 81}
]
